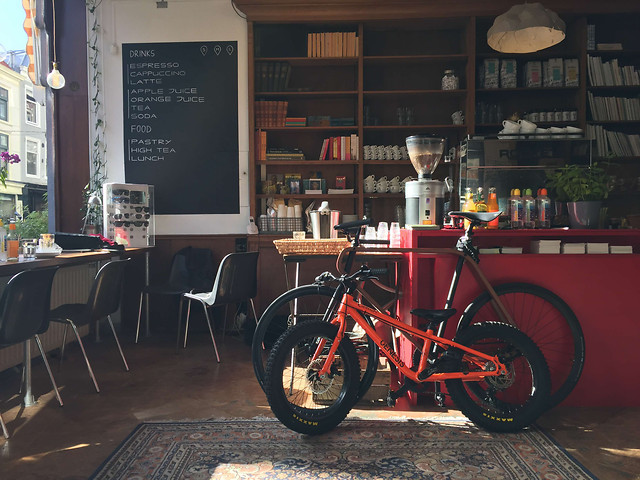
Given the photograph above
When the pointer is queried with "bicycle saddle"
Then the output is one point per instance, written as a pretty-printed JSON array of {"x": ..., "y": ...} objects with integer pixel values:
[{"x": 483, "y": 217}]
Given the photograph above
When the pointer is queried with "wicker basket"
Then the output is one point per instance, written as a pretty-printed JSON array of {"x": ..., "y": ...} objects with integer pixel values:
[{"x": 329, "y": 246}]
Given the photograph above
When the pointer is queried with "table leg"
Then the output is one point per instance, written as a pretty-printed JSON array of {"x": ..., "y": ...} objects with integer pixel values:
[{"x": 28, "y": 400}]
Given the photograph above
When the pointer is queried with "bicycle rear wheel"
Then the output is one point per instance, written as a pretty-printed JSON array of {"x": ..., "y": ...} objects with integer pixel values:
[
  {"x": 301, "y": 399},
  {"x": 511, "y": 401},
  {"x": 547, "y": 320},
  {"x": 302, "y": 304}
]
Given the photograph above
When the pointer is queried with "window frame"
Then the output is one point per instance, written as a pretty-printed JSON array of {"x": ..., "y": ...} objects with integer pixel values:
[
  {"x": 4, "y": 99},
  {"x": 26, "y": 157},
  {"x": 29, "y": 93},
  {"x": 5, "y": 147}
]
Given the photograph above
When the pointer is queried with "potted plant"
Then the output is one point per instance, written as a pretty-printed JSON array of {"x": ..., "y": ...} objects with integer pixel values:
[{"x": 584, "y": 189}]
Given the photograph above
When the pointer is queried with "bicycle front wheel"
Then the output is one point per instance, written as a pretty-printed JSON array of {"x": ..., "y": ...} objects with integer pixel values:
[
  {"x": 302, "y": 399},
  {"x": 510, "y": 401},
  {"x": 547, "y": 320},
  {"x": 302, "y": 304}
]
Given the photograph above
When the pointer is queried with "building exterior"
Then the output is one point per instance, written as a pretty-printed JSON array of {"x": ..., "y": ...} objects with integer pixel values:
[{"x": 22, "y": 131}]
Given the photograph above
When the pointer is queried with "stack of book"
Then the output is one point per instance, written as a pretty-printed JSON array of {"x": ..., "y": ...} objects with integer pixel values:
[
  {"x": 545, "y": 246},
  {"x": 601, "y": 248},
  {"x": 270, "y": 113},
  {"x": 284, "y": 153},
  {"x": 332, "y": 44},
  {"x": 261, "y": 145},
  {"x": 573, "y": 248},
  {"x": 295, "y": 122},
  {"x": 613, "y": 143},
  {"x": 343, "y": 148},
  {"x": 614, "y": 108},
  {"x": 620, "y": 249},
  {"x": 272, "y": 76},
  {"x": 609, "y": 74}
]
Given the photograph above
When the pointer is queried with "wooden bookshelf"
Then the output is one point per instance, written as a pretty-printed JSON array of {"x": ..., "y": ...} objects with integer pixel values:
[{"x": 401, "y": 57}]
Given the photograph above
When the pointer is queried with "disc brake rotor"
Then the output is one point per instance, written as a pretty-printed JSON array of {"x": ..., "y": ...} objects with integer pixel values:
[{"x": 319, "y": 385}]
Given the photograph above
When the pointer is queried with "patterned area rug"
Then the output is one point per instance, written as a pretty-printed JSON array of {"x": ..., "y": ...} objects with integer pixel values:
[{"x": 450, "y": 448}]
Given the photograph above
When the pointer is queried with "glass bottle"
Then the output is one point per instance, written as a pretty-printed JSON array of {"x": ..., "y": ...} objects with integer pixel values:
[
  {"x": 13, "y": 242},
  {"x": 450, "y": 81},
  {"x": 492, "y": 206}
]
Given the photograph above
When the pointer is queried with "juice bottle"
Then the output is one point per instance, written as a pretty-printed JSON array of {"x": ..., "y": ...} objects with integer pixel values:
[
  {"x": 492, "y": 206},
  {"x": 13, "y": 243},
  {"x": 528, "y": 209},
  {"x": 515, "y": 208},
  {"x": 543, "y": 207},
  {"x": 469, "y": 205},
  {"x": 481, "y": 206},
  {"x": 3, "y": 243}
]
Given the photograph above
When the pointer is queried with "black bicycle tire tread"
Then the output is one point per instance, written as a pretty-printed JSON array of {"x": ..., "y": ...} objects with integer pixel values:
[
  {"x": 538, "y": 402},
  {"x": 263, "y": 324},
  {"x": 573, "y": 323},
  {"x": 284, "y": 413}
]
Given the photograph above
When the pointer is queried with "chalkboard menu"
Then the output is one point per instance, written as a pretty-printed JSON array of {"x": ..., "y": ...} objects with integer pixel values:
[{"x": 181, "y": 124}]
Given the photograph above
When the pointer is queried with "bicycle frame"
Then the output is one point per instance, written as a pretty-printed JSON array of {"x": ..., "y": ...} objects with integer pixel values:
[{"x": 352, "y": 308}]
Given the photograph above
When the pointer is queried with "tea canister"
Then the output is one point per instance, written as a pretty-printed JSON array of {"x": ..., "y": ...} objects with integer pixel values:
[{"x": 450, "y": 81}]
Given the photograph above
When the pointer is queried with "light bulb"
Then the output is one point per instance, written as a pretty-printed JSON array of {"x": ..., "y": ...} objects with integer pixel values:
[{"x": 55, "y": 78}]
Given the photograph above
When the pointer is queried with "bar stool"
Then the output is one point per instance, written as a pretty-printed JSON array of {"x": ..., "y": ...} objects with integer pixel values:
[
  {"x": 24, "y": 313},
  {"x": 104, "y": 299}
]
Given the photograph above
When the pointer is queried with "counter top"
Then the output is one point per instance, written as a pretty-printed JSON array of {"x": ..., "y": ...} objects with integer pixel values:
[{"x": 66, "y": 259}]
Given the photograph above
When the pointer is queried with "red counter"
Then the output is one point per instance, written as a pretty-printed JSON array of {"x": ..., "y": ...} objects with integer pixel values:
[{"x": 602, "y": 290}]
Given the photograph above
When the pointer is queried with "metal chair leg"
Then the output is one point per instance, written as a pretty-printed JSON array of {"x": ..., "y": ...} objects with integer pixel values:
[
  {"x": 84, "y": 353},
  {"x": 186, "y": 325},
  {"x": 139, "y": 316},
  {"x": 206, "y": 313},
  {"x": 224, "y": 320},
  {"x": 46, "y": 364},
  {"x": 126, "y": 367},
  {"x": 179, "y": 323},
  {"x": 253, "y": 307},
  {"x": 64, "y": 342},
  {"x": 5, "y": 432}
]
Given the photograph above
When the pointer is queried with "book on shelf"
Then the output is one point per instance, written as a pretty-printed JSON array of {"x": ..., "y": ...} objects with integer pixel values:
[
  {"x": 261, "y": 145},
  {"x": 620, "y": 249},
  {"x": 511, "y": 250},
  {"x": 342, "y": 148},
  {"x": 597, "y": 247},
  {"x": 270, "y": 113},
  {"x": 573, "y": 248},
  {"x": 545, "y": 246},
  {"x": 609, "y": 46},
  {"x": 332, "y": 44},
  {"x": 340, "y": 191},
  {"x": 324, "y": 149},
  {"x": 489, "y": 250},
  {"x": 611, "y": 73}
]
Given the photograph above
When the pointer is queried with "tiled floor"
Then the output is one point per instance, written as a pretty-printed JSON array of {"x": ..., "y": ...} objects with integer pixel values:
[{"x": 50, "y": 442}]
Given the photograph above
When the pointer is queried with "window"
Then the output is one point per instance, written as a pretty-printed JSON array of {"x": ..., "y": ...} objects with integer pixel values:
[
  {"x": 4, "y": 142},
  {"x": 4, "y": 104},
  {"x": 31, "y": 109},
  {"x": 33, "y": 157}
]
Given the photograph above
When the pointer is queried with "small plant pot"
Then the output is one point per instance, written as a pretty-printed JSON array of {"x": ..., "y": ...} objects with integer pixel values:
[{"x": 584, "y": 214}]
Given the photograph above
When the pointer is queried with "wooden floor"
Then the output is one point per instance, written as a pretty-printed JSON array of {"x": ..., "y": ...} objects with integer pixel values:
[{"x": 50, "y": 442}]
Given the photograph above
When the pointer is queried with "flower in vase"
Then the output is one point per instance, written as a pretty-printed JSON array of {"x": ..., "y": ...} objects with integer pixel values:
[{"x": 6, "y": 159}]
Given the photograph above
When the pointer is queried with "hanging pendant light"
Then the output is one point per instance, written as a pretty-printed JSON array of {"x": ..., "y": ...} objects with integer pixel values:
[
  {"x": 526, "y": 28},
  {"x": 55, "y": 79}
]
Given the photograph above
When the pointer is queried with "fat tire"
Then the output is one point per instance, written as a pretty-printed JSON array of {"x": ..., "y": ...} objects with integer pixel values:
[
  {"x": 492, "y": 418},
  {"x": 563, "y": 380},
  {"x": 266, "y": 323},
  {"x": 306, "y": 420}
]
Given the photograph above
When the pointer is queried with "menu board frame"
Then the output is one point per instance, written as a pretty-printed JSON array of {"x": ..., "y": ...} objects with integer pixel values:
[{"x": 180, "y": 107}]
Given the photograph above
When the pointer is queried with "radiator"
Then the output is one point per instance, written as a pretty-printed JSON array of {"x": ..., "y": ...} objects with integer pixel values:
[{"x": 70, "y": 285}]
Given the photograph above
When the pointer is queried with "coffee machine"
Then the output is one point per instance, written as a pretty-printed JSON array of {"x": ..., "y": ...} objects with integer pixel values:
[{"x": 425, "y": 197}]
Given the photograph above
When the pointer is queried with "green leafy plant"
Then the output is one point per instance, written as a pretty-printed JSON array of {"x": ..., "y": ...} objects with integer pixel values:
[
  {"x": 576, "y": 183},
  {"x": 33, "y": 224}
]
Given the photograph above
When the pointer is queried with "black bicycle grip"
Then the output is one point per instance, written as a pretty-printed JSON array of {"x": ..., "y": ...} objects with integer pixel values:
[{"x": 379, "y": 271}]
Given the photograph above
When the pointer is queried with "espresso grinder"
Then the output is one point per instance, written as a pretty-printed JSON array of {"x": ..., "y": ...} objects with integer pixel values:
[{"x": 425, "y": 196}]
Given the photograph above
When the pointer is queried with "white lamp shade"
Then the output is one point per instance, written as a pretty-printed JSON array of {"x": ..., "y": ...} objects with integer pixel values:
[
  {"x": 55, "y": 79},
  {"x": 526, "y": 28}
]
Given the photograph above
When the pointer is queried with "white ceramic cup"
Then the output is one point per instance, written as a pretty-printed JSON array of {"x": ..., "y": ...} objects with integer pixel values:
[
  {"x": 457, "y": 117},
  {"x": 510, "y": 126},
  {"x": 394, "y": 181},
  {"x": 394, "y": 188},
  {"x": 383, "y": 185},
  {"x": 526, "y": 126},
  {"x": 571, "y": 129}
]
